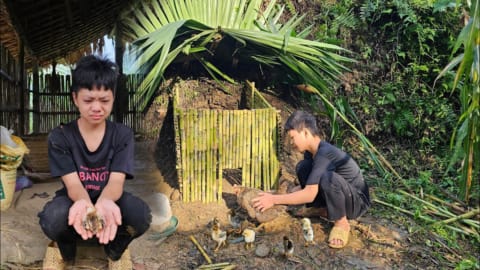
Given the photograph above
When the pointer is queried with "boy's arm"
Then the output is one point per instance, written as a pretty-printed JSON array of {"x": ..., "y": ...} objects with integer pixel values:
[
  {"x": 114, "y": 188},
  {"x": 266, "y": 200}
]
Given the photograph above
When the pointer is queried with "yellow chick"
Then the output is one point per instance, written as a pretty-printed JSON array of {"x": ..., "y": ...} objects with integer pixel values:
[
  {"x": 218, "y": 235},
  {"x": 249, "y": 236},
  {"x": 307, "y": 231},
  {"x": 287, "y": 247}
]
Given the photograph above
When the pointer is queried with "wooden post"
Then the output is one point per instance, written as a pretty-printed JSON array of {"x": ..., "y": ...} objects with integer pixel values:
[
  {"x": 121, "y": 93},
  {"x": 36, "y": 98},
  {"x": 21, "y": 86}
]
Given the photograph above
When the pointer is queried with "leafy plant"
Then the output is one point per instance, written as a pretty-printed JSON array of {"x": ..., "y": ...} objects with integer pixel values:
[
  {"x": 466, "y": 139},
  {"x": 165, "y": 30}
]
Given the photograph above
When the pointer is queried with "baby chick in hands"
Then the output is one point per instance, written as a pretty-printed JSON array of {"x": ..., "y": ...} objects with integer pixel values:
[
  {"x": 249, "y": 236},
  {"x": 307, "y": 231},
  {"x": 218, "y": 235}
]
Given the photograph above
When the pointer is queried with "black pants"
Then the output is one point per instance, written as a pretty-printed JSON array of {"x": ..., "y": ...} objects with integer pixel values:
[
  {"x": 340, "y": 197},
  {"x": 136, "y": 218}
]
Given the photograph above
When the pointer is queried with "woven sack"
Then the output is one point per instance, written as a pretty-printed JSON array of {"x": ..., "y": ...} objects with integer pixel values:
[
  {"x": 8, "y": 180},
  {"x": 11, "y": 157}
]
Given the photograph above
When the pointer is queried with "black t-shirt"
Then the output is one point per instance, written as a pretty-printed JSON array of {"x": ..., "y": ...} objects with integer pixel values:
[
  {"x": 330, "y": 158},
  {"x": 67, "y": 153}
]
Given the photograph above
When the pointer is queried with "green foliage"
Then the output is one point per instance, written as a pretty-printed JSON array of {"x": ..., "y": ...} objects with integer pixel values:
[
  {"x": 466, "y": 135},
  {"x": 167, "y": 30},
  {"x": 467, "y": 264}
]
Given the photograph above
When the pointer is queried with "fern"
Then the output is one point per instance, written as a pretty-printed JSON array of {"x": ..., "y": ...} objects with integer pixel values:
[
  {"x": 291, "y": 7},
  {"x": 346, "y": 20},
  {"x": 370, "y": 10}
]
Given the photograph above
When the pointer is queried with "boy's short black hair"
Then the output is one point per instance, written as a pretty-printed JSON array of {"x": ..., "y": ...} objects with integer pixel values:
[
  {"x": 93, "y": 72},
  {"x": 300, "y": 120}
]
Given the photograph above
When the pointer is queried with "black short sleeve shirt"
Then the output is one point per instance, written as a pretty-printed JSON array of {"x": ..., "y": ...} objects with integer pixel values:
[
  {"x": 330, "y": 158},
  {"x": 67, "y": 153}
]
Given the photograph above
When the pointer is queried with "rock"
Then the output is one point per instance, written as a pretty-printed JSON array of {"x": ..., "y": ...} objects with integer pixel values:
[
  {"x": 244, "y": 199},
  {"x": 262, "y": 250}
]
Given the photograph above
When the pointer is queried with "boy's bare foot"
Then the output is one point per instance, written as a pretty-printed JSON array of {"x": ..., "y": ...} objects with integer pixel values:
[{"x": 312, "y": 212}]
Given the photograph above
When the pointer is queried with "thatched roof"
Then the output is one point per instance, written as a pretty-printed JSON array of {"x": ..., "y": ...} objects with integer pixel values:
[{"x": 54, "y": 29}]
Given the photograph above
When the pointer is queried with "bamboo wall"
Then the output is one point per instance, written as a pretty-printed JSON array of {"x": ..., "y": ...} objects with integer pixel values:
[
  {"x": 209, "y": 141},
  {"x": 51, "y": 104},
  {"x": 9, "y": 90}
]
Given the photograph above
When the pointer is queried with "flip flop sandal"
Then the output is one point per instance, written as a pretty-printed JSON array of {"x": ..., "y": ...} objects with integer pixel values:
[{"x": 339, "y": 234}]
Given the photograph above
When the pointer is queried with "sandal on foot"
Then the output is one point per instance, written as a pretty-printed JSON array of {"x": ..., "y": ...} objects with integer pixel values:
[
  {"x": 53, "y": 259},
  {"x": 339, "y": 234},
  {"x": 124, "y": 263}
]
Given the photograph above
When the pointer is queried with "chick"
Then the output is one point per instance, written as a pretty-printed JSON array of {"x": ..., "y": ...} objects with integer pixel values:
[
  {"x": 249, "y": 236},
  {"x": 92, "y": 221},
  {"x": 287, "y": 247},
  {"x": 307, "y": 231},
  {"x": 218, "y": 235}
]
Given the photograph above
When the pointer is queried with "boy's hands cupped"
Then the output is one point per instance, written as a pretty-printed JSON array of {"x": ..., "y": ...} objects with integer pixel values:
[
  {"x": 112, "y": 217},
  {"x": 76, "y": 216}
]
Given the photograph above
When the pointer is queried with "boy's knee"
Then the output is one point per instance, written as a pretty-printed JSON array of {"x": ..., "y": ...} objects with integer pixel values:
[
  {"x": 136, "y": 214},
  {"x": 53, "y": 218}
]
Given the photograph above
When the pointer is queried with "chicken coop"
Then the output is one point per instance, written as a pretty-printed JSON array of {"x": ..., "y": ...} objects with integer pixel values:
[{"x": 210, "y": 141}]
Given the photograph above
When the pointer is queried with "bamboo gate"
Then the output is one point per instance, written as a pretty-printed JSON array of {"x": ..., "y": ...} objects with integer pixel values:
[{"x": 209, "y": 141}]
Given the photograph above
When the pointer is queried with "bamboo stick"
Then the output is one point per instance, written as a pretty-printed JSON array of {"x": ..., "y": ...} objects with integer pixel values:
[
  {"x": 202, "y": 162},
  {"x": 240, "y": 128},
  {"x": 255, "y": 164},
  {"x": 251, "y": 168},
  {"x": 220, "y": 140},
  {"x": 209, "y": 149},
  {"x": 191, "y": 159},
  {"x": 252, "y": 149},
  {"x": 268, "y": 144},
  {"x": 274, "y": 149},
  {"x": 188, "y": 157},
  {"x": 467, "y": 215},
  {"x": 263, "y": 145},
  {"x": 196, "y": 156},
  {"x": 241, "y": 152},
  {"x": 213, "y": 266},
  {"x": 206, "y": 153},
  {"x": 244, "y": 144},
  {"x": 271, "y": 152},
  {"x": 234, "y": 134},
  {"x": 441, "y": 211},
  {"x": 451, "y": 205},
  {"x": 213, "y": 148},
  {"x": 200, "y": 249},
  {"x": 216, "y": 172},
  {"x": 226, "y": 136},
  {"x": 182, "y": 155},
  {"x": 425, "y": 218},
  {"x": 260, "y": 147}
]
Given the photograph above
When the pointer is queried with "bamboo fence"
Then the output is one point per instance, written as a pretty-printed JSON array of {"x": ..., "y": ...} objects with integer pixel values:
[{"x": 210, "y": 141}]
